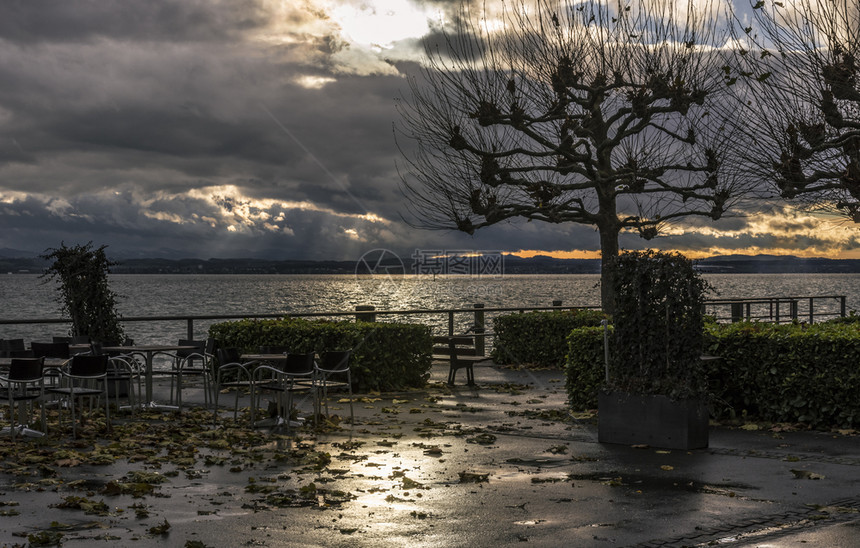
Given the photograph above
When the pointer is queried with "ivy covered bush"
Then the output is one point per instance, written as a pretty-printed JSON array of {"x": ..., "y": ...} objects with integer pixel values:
[
  {"x": 585, "y": 370},
  {"x": 539, "y": 338},
  {"x": 85, "y": 294},
  {"x": 386, "y": 356},
  {"x": 658, "y": 326}
]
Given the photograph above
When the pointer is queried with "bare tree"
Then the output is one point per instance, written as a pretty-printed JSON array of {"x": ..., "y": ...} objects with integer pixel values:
[
  {"x": 798, "y": 71},
  {"x": 600, "y": 113}
]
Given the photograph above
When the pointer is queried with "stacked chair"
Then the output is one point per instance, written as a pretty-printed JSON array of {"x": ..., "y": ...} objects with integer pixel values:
[{"x": 297, "y": 375}]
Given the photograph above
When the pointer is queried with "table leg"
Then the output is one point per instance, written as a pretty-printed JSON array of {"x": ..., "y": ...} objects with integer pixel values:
[{"x": 149, "y": 402}]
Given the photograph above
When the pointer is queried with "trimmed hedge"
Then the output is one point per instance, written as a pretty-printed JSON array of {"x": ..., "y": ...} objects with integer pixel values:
[
  {"x": 586, "y": 372},
  {"x": 787, "y": 373},
  {"x": 658, "y": 320},
  {"x": 539, "y": 338},
  {"x": 386, "y": 356},
  {"x": 779, "y": 373}
]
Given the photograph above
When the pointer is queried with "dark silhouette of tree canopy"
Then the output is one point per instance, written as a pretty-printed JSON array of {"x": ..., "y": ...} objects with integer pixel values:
[
  {"x": 798, "y": 72},
  {"x": 600, "y": 113},
  {"x": 85, "y": 294}
]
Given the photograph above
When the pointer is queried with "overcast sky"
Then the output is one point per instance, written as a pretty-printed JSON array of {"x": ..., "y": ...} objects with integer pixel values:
[{"x": 251, "y": 128}]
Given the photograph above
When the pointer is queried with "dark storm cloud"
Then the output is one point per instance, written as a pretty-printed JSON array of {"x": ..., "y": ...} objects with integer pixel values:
[{"x": 31, "y": 21}]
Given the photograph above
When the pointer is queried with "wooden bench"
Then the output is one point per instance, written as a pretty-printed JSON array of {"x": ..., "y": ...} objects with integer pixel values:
[{"x": 459, "y": 351}]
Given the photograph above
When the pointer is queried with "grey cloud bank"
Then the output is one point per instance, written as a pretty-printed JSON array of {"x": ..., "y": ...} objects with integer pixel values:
[{"x": 218, "y": 129}]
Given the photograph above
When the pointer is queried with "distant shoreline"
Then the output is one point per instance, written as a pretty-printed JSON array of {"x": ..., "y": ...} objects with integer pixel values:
[{"x": 734, "y": 264}]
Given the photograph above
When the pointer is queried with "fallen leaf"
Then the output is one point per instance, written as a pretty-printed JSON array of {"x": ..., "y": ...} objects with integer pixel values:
[
  {"x": 806, "y": 474},
  {"x": 160, "y": 529},
  {"x": 473, "y": 477}
]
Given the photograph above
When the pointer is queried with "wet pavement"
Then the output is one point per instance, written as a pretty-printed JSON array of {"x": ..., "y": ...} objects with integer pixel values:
[{"x": 502, "y": 464}]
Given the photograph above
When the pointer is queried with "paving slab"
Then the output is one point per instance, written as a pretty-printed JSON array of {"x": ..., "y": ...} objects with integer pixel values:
[{"x": 501, "y": 464}]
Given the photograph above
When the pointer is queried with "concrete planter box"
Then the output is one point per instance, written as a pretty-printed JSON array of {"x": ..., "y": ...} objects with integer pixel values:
[{"x": 652, "y": 420}]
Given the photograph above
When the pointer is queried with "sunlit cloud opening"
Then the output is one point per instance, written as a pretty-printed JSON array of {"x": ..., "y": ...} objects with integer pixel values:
[
  {"x": 557, "y": 253},
  {"x": 163, "y": 216},
  {"x": 313, "y": 82},
  {"x": 379, "y": 24}
]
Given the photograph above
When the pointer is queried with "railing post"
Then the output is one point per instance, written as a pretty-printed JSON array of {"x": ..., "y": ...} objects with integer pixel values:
[
  {"x": 450, "y": 323},
  {"x": 792, "y": 308},
  {"x": 737, "y": 312},
  {"x": 190, "y": 329},
  {"x": 776, "y": 319},
  {"x": 811, "y": 310},
  {"x": 480, "y": 342},
  {"x": 364, "y": 313},
  {"x": 842, "y": 310}
]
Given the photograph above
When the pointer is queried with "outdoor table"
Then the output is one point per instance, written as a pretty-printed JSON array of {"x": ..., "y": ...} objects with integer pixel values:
[
  {"x": 149, "y": 351},
  {"x": 79, "y": 348}
]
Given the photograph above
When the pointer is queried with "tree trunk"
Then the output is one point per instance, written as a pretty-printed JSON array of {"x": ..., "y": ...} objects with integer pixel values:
[{"x": 608, "y": 251}]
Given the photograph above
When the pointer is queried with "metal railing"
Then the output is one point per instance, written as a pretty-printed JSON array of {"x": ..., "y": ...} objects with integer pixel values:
[
  {"x": 474, "y": 319},
  {"x": 778, "y": 309}
]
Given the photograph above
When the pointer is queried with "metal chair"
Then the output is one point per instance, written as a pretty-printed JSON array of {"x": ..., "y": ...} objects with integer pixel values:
[
  {"x": 195, "y": 362},
  {"x": 24, "y": 383},
  {"x": 50, "y": 349},
  {"x": 123, "y": 371},
  {"x": 58, "y": 350},
  {"x": 82, "y": 377},
  {"x": 230, "y": 372},
  {"x": 333, "y": 364},
  {"x": 297, "y": 375},
  {"x": 124, "y": 368},
  {"x": 11, "y": 348}
]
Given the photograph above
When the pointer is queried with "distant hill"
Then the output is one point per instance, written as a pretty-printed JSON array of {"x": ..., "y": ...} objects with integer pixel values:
[
  {"x": 777, "y": 264},
  {"x": 726, "y": 264}
]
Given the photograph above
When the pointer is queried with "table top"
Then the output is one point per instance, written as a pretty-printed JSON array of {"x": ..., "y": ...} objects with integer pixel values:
[
  {"x": 265, "y": 357},
  {"x": 49, "y": 362},
  {"x": 148, "y": 348}
]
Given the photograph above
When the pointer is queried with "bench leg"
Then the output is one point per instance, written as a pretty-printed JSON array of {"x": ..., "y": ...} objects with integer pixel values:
[{"x": 470, "y": 375}]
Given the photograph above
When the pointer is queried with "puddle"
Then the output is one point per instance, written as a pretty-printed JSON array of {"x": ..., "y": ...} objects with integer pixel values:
[{"x": 667, "y": 483}]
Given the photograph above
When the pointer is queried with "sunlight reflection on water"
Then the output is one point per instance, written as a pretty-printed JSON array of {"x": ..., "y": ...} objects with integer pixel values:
[{"x": 26, "y": 296}]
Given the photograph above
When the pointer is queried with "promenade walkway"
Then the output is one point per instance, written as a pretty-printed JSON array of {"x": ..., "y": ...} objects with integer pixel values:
[{"x": 501, "y": 465}]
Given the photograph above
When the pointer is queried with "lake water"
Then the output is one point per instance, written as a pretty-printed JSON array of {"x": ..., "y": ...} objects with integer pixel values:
[{"x": 27, "y": 296}]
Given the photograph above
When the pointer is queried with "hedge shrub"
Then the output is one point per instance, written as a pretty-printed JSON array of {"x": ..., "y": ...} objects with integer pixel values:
[
  {"x": 539, "y": 338},
  {"x": 658, "y": 325},
  {"x": 787, "y": 373},
  {"x": 586, "y": 370},
  {"x": 386, "y": 356}
]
